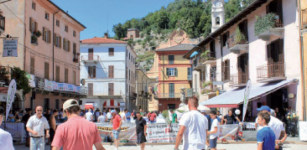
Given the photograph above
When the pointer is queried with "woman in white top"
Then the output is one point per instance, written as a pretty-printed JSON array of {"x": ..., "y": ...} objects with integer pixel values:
[{"x": 123, "y": 116}]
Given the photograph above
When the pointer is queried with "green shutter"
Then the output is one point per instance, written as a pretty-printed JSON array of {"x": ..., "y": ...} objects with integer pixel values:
[
  {"x": 176, "y": 72},
  {"x": 167, "y": 71}
]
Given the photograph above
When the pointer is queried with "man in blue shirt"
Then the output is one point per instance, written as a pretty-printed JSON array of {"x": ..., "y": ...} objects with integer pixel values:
[
  {"x": 128, "y": 114},
  {"x": 265, "y": 136}
]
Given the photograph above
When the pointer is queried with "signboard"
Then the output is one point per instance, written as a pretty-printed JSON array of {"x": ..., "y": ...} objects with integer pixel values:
[
  {"x": 77, "y": 89},
  {"x": 10, "y": 47},
  {"x": 70, "y": 88},
  {"x": 48, "y": 85},
  {"x": 246, "y": 97},
  {"x": 55, "y": 85},
  {"x": 303, "y": 130},
  {"x": 10, "y": 97},
  {"x": 31, "y": 79},
  {"x": 40, "y": 83},
  {"x": 61, "y": 86},
  {"x": 189, "y": 92}
]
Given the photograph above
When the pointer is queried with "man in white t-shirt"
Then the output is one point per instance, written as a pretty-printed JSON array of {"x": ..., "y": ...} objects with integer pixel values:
[
  {"x": 276, "y": 125},
  {"x": 101, "y": 118},
  {"x": 215, "y": 130},
  {"x": 89, "y": 115},
  {"x": 193, "y": 127},
  {"x": 6, "y": 140},
  {"x": 123, "y": 116},
  {"x": 109, "y": 115}
]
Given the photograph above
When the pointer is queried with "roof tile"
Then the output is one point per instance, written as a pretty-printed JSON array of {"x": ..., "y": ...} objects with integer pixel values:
[{"x": 99, "y": 40}]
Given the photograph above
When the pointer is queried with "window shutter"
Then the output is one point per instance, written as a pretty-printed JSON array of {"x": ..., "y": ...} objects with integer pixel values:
[
  {"x": 94, "y": 71},
  {"x": 167, "y": 71},
  {"x": 269, "y": 54},
  {"x": 35, "y": 28},
  {"x": 49, "y": 38},
  {"x": 111, "y": 71},
  {"x": 90, "y": 89},
  {"x": 60, "y": 42},
  {"x": 176, "y": 72},
  {"x": 64, "y": 47},
  {"x": 54, "y": 40},
  {"x": 30, "y": 25},
  {"x": 89, "y": 69},
  {"x": 44, "y": 34},
  {"x": 69, "y": 46}
]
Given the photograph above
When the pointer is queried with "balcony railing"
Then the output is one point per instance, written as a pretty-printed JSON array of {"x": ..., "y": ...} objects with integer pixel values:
[
  {"x": 304, "y": 17},
  {"x": 239, "y": 80},
  {"x": 2, "y": 22},
  {"x": 75, "y": 58},
  {"x": 198, "y": 63},
  {"x": 168, "y": 95},
  {"x": 271, "y": 72},
  {"x": 90, "y": 58}
]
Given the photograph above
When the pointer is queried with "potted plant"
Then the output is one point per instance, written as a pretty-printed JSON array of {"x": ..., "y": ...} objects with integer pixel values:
[
  {"x": 37, "y": 33},
  {"x": 292, "y": 120},
  {"x": 33, "y": 39},
  {"x": 240, "y": 37},
  {"x": 206, "y": 55},
  {"x": 205, "y": 84}
]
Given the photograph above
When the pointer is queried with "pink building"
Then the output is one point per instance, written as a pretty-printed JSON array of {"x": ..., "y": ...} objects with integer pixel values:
[{"x": 51, "y": 58}]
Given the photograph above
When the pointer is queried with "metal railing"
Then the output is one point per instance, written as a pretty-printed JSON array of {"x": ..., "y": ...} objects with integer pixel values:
[
  {"x": 304, "y": 17},
  {"x": 168, "y": 95},
  {"x": 234, "y": 40},
  {"x": 90, "y": 58},
  {"x": 200, "y": 60},
  {"x": 75, "y": 58},
  {"x": 239, "y": 79},
  {"x": 271, "y": 70}
]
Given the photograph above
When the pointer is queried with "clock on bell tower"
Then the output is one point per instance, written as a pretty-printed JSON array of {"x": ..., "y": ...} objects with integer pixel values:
[{"x": 217, "y": 14}]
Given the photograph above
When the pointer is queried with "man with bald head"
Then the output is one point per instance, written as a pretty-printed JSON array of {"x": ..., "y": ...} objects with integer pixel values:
[
  {"x": 193, "y": 128},
  {"x": 36, "y": 126}
]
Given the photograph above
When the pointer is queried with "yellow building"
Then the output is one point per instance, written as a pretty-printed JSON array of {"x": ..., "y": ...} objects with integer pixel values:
[{"x": 171, "y": 71}]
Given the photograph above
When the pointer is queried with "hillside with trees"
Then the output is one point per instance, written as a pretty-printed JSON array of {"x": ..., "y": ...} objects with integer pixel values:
[{"x": 193, "y": 16}]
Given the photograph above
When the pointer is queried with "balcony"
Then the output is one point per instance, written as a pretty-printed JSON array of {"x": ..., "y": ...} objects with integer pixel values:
[
  {"x": 205, "y": 58},
  {"x": 75, "y": 58},
  {"x": 2, "y": 23},
  {"x": 90, "y": 58},
  {"x": 271, "y": 73},
  {"x": 237, "y": 43},
  {"x": 168, "y": 95},
  {"x": 269, "y": 25},
  {"x": 238, "y": 80},
  {"x": 304, "y": 18}
]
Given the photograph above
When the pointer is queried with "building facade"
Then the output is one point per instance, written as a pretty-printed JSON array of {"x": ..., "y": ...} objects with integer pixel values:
[
  {"x": 261, "y": 43},
  {"x": 303, "y": 32},
  {"x": 108, "y": 70},
  {"x": 171, "y": 71},
  {"x": 48, "y": 47},
  {"x": 142, "y": 90}
]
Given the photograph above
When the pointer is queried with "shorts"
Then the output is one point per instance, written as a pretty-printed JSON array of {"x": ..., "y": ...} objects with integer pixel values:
[
  {"x": 141, "y": 138},
  {"x": 213, "y": 143},
  {"x": 116, "y": 134}
]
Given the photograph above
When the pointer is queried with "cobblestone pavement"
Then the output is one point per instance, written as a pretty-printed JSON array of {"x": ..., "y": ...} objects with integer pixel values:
[{"x": 170, "y": 147}]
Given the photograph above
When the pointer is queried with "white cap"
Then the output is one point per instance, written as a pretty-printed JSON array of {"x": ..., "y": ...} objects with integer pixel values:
[
  {"x": 70, "y": 103},
  {"x": 203, "y": 111}
]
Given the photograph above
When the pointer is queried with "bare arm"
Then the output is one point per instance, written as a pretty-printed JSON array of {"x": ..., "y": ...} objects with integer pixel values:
[
  {"x": 284, "y": 137},
  {"x": 99, "y": 146},
  {"x": 31, "y": 131},
  {"x": 55, "y": 148},
  {"x": 145, "y": 130},
  {"x": 259, "y": 146},
  {"x": 53, "y": 123},
  {"x": 212, "y": 132},
  {"x": 179, "y": 136}
]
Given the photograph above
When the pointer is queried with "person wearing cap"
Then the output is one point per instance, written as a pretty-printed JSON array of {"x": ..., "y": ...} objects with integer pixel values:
[
  {"x": 76, "y": 133},
  {"x": 276, "y": 125},
  {"x": 6, "y": 140},
  {"x": 117, "y": 123},
  {"x": 36, "y": 126}
]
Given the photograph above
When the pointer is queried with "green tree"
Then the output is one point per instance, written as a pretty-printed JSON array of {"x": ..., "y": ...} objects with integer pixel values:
[{"x": 22, "y": 81}]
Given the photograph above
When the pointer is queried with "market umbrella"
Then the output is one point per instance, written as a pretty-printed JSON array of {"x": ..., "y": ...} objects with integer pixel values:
[
  {"x": 202, "y": 107},
  {"x": 184, "y": 108}
]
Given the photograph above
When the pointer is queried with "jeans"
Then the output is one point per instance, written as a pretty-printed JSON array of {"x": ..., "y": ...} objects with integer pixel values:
[{"x": 37, "y": 143}]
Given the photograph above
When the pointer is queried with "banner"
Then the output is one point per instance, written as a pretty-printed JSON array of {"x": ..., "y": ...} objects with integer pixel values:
[
  {"x": 31, "y": 79},
  {"x": 303, "y": 130},
  {"x": 162, "y": 132},
  {"x": 10, "y": 97},
  {"x": 48, "y": 85},
  {"x": 246, "y": 98},
  {"x": 10, "y": 47}
]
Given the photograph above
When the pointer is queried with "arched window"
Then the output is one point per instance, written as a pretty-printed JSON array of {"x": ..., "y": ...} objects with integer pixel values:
[{"x": 217, "y": 20}]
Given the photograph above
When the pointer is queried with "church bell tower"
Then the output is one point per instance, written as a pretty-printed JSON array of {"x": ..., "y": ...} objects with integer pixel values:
[{"x": 217, "y": 14}]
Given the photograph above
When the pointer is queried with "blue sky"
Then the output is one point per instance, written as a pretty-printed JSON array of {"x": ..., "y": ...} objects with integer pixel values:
[{"x": 94, "y": 14}]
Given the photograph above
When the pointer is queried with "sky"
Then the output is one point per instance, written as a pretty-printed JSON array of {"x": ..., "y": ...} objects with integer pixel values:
[{"x": 99, "y": 16}]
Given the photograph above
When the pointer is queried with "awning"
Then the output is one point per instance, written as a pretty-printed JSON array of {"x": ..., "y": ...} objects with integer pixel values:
[
  {"x": 111, "y": 104},
  {"x": 194, "y": 54},
  {"x": 89, "y": 106},
  {"x": 235, "y": 97}
]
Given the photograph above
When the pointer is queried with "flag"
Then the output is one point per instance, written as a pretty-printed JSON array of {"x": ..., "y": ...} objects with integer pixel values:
[
  {"x": 246, "y": 97},
  {"x": 10, "y": 97}
]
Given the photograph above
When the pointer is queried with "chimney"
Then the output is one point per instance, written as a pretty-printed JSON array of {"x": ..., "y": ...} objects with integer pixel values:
[{"x": 106, "y": 35}]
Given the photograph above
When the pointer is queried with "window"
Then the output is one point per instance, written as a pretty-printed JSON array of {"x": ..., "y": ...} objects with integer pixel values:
[
  {"x": 111, "y": 51},
  {"x": 90, "y": 89},
  {"x": 226, "y": 70},
  {"x": 46, "y": 35},
  {"x": 171, "y": 90},
  {"x": 171, "y": 71},
  {"x": 58, "y": 41},
  {"x": 217, "y": 20},
  {"x": 33, "y": 6},
  {"x": 212, "y": 49},
  {"x": 46, "y": 70},
  {"x": 111, "y": 71},
  {"x": 74, "y": 78},
  {"x": 225, "y": 38},
  {"x": 32, "y": 66},
  {"x": 47, "y": 16},
  {"x": 66, "y": 28},
  {"x": 57, "y": 23},
  {"x": 111, "y": 89},
  {"x": 66, "y": 75},
  {"x": 74, "y": 48},
  {"x": 171, "y": 59},
  {"x": 92, "y": 71},
  {"x": 46, "y": 104},
  {"x": 66, "y": 44},
  {"x": 74, "y": 33},
  {"x": 189, "y": 73},
  {"x": 171, "y": 106},
  {"x": 57, "y": 72}
]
